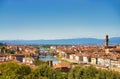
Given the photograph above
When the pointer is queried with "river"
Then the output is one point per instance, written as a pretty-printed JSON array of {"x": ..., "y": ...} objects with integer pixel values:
[{"x": 48, "y": 57}]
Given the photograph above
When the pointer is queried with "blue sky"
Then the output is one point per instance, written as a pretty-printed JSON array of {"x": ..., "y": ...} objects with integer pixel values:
[{"x": 59, "y": 19}]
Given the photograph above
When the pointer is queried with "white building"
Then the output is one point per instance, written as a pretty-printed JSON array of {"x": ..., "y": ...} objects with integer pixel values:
[
  {"x": 72, "y": 56},
  {"x": 28, "y": 60},
  {"x": 101, "y": 62}
]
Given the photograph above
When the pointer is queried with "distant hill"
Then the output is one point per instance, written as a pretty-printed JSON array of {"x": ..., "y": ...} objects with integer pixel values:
[{"x": 114, "y": 40}]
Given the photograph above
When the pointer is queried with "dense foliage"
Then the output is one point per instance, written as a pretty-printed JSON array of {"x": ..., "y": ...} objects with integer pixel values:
[
  {"x": 90, "y": 72},
  {"x": 38, "y": 62},
  {"x": 12, "y": 70}
]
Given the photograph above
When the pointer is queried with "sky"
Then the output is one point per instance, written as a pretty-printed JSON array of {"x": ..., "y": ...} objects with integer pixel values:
[{"x": 58, "y": 19}]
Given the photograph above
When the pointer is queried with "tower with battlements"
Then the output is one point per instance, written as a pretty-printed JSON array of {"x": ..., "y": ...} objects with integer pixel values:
[{"x": 106, "y": 41}]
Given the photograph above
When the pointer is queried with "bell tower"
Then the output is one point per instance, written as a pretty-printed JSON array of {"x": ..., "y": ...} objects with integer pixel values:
[{"x": 106, "y": 40}]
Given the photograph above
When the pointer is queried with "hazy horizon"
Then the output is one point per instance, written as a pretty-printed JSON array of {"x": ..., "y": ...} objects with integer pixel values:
[
  {"x": 64, "y": 38},
  {"x": 59, "y": 19}
]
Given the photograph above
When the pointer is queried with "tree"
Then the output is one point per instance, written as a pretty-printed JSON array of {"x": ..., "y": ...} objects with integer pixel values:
[
  {"x": 23, "y": 70},
  {"x": 38, "y": 62},
  {"x": 90, "y": 72},
  {"x": 12, "y": 70},
  {"x": 8, "y": 70}
]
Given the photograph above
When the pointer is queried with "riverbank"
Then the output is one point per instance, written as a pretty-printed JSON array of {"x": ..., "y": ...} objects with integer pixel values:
[{"x": 63, "y": 60}]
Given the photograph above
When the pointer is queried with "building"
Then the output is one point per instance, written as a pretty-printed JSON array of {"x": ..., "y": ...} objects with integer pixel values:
[
  {"x": 28, "y": 60},
  {"x": 106, "y": 41},
  {"x": 64, "y": 67}
]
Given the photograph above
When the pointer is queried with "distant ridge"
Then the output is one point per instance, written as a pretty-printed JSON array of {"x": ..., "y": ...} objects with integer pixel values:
[{"x": 114, "y": 40}]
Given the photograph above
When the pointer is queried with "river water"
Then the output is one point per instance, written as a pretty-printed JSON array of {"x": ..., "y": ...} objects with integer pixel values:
[{"x": 48, "y": 57}]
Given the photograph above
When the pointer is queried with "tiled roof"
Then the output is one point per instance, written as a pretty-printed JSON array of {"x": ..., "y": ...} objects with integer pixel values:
[{"x": 61, "y": 65}]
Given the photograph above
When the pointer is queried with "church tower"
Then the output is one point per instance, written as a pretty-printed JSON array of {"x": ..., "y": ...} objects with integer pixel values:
[{"x": 106, "y": 40}]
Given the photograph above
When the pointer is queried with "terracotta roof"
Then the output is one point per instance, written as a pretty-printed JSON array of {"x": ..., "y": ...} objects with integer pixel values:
[
  {"x": 94, "y": 55},
  {"x": 61, "y": 65},
  {"x": 117, "y": 49},
  {"x": 28, "y": 59},
  {"x": 78, "y": 54}
]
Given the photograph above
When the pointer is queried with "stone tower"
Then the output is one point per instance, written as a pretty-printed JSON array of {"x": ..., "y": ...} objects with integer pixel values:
[{"x": 106, "y": 41}]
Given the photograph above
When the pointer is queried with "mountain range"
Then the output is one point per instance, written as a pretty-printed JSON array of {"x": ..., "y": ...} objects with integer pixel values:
[{"x": 113, "y": 40}]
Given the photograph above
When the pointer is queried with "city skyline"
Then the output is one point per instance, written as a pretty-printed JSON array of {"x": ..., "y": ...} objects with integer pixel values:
[{"x": 61, "y": 19}]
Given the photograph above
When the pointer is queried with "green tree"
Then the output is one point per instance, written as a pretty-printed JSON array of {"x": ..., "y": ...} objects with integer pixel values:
[
  {"x": 90, "y": 72},
  {"x": 23, "y": 70},
  {"x": 8, "y": 70},
  {"x": 38, "y": 62}
]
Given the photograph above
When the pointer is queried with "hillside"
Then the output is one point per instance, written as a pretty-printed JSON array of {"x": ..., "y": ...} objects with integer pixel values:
[{"x": 114, "y": 40}]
